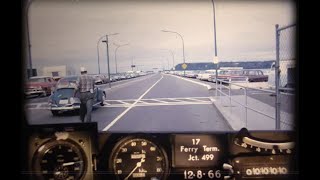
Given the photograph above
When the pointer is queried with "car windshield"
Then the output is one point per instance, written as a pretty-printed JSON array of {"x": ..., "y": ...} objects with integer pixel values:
[
  {"x": 64, "y": 93},
  {"x": 154, "y": 63}
]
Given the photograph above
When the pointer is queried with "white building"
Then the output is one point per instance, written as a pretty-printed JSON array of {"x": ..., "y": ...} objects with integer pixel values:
[{"x": 58, "y": 71}]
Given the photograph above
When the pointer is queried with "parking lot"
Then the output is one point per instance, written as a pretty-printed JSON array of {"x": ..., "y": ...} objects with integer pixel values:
[{"x": 157, "y": 102}]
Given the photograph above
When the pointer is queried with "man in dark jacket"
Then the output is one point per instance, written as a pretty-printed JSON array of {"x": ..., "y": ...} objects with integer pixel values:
[{"x": 86, "y": 89}]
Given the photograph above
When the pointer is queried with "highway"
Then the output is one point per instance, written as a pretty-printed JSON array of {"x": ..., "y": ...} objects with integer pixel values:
[{"x": 153, "y": 103}]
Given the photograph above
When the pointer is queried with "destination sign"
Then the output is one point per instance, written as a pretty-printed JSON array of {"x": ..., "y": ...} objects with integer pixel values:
[{"x": 196, "y": 150}]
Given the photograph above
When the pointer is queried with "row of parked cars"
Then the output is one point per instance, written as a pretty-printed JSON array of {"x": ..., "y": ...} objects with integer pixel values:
[
  {"x": 242, "y": 75},
  {"x": 64, "y": 94},
  {"x": 45, "y": 85}
]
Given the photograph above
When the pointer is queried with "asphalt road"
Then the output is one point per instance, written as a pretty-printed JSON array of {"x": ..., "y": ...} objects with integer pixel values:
[{"x": 153, "y": 103}]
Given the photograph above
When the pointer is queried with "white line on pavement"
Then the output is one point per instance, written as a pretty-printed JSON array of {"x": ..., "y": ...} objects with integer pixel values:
[
  {"x": 161, "y": 104},
  {"x": 122, "y": 102},
  {"x": 158, "y": 100},
  {"x": 174, "y": 99},
  {"x": 197, "y": 100},
  {"x": 195, "y": 82},
  {"x": 128, "y": 109},
  {"x": 202, "y": 97},
  {"x": 260, "y": 93}
]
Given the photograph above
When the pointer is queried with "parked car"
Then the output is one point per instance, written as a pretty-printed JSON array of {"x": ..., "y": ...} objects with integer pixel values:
[
  {"x": 229, "y": 75},
  {"x": 39, "y": 85},
  {"x": 254, "y": 75},
  {"x": 66, "y": 96},
  {"x": 204, "y": 76}
]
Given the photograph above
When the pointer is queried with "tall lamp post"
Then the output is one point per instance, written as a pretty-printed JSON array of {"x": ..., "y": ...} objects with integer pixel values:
[
  {"x": 184, "y": 60},
  {"x": 115, "y": 54},
  {"x": 172, "y": 56},
  {"x": 215, "y": 44},
  {"x": 98, "y": 52},
  {"x": 107, "y": 42},
  {"x": 30, "y": 73}
]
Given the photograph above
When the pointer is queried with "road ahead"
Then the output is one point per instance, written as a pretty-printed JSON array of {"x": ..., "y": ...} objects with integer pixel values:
[{"x": 153, "y": 103}]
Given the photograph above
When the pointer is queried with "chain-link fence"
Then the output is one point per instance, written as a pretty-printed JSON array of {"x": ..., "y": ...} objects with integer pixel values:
[
  {"x": 285, "y": 75},
  {"x": 254, "y": 105}
]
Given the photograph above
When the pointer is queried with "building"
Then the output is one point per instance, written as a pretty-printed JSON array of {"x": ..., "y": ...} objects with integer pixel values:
[{"x": 58, "y": 71}]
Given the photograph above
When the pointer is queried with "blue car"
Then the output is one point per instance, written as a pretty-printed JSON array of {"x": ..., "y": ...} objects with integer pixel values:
[{"x": 65, "y": 97}]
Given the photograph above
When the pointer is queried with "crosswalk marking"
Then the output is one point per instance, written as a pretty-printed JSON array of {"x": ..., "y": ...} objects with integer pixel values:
[{"x": 142, "y": 102}]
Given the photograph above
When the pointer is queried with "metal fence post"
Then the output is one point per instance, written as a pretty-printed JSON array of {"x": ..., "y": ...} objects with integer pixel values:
[
  {"x": 220, "y": 90},
  {"x": 277, "y": 80},
  {"x": 246, "y": 107},
  {"x": 216, "y": 87},
  {"x": 230, "y": 96}
]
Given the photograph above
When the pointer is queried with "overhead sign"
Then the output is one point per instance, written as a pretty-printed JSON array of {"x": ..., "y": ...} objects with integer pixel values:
[
  {"x": 215, "y": 60},
  {"x": 133, "y": 66},
  {"x": 184, "y": 66}
]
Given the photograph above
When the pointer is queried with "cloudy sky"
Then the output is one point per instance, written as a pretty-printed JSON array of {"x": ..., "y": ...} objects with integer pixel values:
[{"x": 67, "y": 32}]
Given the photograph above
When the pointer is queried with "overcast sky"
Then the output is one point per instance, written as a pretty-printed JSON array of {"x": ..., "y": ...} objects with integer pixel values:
[{"x": 67, "y": 32}]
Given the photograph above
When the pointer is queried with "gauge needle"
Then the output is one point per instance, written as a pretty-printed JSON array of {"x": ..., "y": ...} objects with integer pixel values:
[
  {"x": 138, "y": 165},
  {"x": 70, "y": 163}
]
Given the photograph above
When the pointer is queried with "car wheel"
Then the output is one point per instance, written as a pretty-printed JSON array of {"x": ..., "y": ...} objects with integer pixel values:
[
  {"x": 103, "y": 99},
  {"x": 54, "y": 112}
]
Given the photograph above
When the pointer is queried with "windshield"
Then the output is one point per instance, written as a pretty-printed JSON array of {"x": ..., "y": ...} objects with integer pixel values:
[
  {"x": 63, "y": 93},
  {"x": 158, "y": 60}
]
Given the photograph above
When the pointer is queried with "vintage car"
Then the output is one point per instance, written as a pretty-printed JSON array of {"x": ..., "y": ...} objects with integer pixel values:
[
  {"x": 39, "y": 85},
  {"x": 66, "y": 96},
  {"x": 255, "y": 75}
]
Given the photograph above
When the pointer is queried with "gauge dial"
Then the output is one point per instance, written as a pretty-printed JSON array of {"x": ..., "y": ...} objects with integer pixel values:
[
  {"x": 59, "y": 159},
  {"x": 135, "y": 158}
]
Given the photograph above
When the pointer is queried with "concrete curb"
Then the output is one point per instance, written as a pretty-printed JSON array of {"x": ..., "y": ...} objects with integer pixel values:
[{"x": 221, "y": 114}]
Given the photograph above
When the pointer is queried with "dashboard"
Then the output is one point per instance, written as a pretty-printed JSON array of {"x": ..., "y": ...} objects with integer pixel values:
[{"x": 79, "y": 151}]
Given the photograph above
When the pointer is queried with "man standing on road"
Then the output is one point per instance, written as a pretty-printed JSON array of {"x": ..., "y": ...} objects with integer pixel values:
[{"x": 86, "y": 88}]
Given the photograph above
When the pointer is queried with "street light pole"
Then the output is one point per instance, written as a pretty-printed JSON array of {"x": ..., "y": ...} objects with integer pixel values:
[
  {"x": 115, "y": 54},
  {"x": 172, "y": 57},
  {"x": 107, "y": 42},
  {"x": 184, "y": 60},
  {"x": 132, "y": 64},
  {"x": 98, "y": 52},
  {"x": 30, "y": 74},
  {"x": 215, "y": 43}
]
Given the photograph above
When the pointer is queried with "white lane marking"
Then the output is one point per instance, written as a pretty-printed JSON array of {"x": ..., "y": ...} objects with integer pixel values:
[
  {"x": 143, "y": 102},
  {"x": 174, "y": 99},
  {"x": 158, "y": 100},
  {"x": 123, "y": 102},
  {"x": 200, "y": 97},
  {"x": 104, "y": 102},
  {"x": 162, "y": 104},
  {"x": 129, "y": 102},
  {"x": 128, "y": 109},
  {"x": 197, "y": 100},
  {"x": 195, "y": 82},
  {"x": 260, "y": 93}
]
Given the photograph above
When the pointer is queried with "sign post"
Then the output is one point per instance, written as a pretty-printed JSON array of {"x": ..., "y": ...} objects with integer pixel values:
[
  {"x": 216, "y": 61},
  {"x": 184, "y": 67}
]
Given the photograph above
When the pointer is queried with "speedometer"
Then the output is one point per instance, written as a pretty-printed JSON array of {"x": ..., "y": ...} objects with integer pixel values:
[
  {"x": 137, "y": 158},
  {"x": 59, "y": 159}
]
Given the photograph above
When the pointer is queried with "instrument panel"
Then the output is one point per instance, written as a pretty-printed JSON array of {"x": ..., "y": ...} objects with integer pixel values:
[{"x": 78, "y": 151}]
